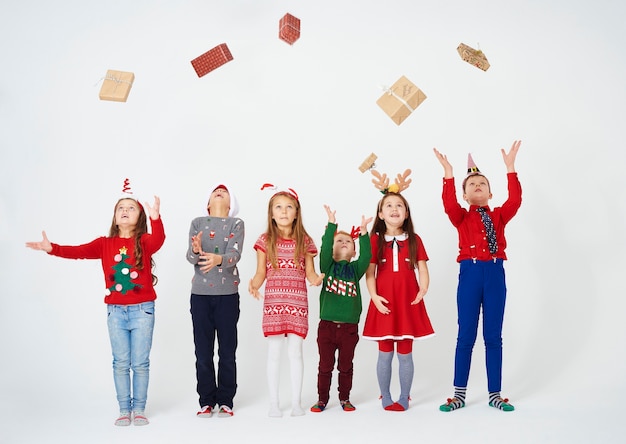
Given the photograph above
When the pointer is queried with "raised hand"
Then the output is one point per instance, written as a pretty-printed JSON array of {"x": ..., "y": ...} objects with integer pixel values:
[
  {"x": 331, "y": 214},
  {"x": 153, "y": 211},
  {"x": 443, "y": 160},
  {"x": 509, "y": 158},
  {"x": 196, "y": 243}
]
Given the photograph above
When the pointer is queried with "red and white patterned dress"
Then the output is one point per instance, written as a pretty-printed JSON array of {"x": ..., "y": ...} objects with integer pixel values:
[
  {"x": 285, "y": 305},
  {"x": 396, "y": 281}
]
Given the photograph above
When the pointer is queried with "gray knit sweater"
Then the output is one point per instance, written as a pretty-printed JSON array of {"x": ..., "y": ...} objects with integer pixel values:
[{"x": 223, "y": 236}]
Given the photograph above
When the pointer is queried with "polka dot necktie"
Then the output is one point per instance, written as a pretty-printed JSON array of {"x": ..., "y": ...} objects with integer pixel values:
[{"x": 491, "y": 232}]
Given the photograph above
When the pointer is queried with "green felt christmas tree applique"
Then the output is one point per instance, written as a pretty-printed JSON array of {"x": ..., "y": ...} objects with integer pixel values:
[{"x": 123, "y": 276}]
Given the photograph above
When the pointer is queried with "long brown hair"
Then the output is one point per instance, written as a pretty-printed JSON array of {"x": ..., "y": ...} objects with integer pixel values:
[
  {"x": 379, "y": 228},
  {"x": 140, "y": 229},
  {"x": 298, "y": 233}
]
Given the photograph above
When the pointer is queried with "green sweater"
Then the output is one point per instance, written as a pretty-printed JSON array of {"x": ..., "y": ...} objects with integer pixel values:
[{"x": 340, "y": 298}]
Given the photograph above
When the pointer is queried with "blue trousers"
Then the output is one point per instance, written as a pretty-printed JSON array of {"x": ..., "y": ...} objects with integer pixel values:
[
  {"x": 215, "y": 316},
  {"x": 481, "y": 286}
]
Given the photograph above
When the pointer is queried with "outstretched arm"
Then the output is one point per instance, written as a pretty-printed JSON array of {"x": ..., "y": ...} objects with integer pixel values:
[
  {"x": 447, "y": 167},
  {"x": 509, "y": 158},
  {"x": 43, "y": 245}
]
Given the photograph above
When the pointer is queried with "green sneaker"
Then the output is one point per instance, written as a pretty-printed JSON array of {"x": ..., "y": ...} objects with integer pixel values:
[
  {"x": 452, "y": 404},
  {"x": 502, "y": 404}
]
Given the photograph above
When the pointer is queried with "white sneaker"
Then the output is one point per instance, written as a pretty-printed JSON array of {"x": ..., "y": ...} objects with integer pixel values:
[
  {"x": 225, "y": 412},
  {"x": 139, "y": 419}
]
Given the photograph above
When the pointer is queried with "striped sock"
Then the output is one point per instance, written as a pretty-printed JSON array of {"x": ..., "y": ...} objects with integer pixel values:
[
  {"x": 455, "y": 403},
  {"x": 495, "y": 400}
]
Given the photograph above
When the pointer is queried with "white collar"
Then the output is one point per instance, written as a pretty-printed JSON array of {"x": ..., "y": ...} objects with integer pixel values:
[{"x": 399, "y": 237}]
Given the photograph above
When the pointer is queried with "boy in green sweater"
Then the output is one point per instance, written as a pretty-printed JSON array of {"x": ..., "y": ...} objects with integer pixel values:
[{"x": 340, "y": 308}]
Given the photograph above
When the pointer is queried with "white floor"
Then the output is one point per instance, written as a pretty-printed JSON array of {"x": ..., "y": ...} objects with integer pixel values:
[{"x": 555, "y": 413}]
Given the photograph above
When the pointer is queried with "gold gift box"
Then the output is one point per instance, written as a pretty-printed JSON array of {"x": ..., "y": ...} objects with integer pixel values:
[
  {"x": 401, "y": 99},
  {"x": 116, "y": 85},
  {"x": 473, "y": 56}
]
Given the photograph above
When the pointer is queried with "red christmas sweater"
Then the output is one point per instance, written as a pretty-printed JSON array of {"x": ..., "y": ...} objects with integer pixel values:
[
  {"x": 125, "y": 285},
  {"x": 472, "y": 238}
]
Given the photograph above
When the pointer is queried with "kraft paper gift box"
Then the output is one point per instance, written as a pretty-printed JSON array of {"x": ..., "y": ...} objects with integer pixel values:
[
  {"x": 473, "y": 56},
  {"x": 212, "y": 59},
  {"x": 401, "y": 99},
  {"x": 116, "y": 85},
  {"x": 289, "y": 28},
  {"x": 368, "y": 163}
]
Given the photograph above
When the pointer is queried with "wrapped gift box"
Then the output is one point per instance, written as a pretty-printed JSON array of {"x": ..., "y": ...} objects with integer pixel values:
[
  {"x": 212, "y": 59},
  {"x": 289, "y": 28},
  {"x": 401, "y": 99},
  {"x": 116, "y": 85},
  {"x": 368, "y": 163},
  {"x": 473, "y": 56}
]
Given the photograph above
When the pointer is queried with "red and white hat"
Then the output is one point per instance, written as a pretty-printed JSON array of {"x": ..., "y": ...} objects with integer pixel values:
[
  {"x": 127, "y": 192},
  {"x": 290, "y": 191},
  {"x": 234, "y": 205}
]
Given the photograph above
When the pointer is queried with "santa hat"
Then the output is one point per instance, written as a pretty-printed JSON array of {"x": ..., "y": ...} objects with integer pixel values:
[
  {"x": 471, "y": 166},
  {"x": 234, "y": 205},
  {"x": 289, "y": 191}
]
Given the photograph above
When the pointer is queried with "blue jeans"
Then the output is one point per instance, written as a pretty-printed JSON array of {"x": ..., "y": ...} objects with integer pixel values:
[{"x": 130, "y": 332}]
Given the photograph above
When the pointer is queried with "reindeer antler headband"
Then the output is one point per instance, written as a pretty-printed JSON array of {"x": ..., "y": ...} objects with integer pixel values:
[{"x": 381, "y": 182}]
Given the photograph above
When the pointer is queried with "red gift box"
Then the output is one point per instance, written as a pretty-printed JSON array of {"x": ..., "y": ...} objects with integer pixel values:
[
  {"x": 289, "y": 28},
  {"x": 213, "y": 58}
]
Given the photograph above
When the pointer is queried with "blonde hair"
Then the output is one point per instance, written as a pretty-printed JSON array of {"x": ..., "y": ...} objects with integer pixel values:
[{"x": 298, "y": 233}]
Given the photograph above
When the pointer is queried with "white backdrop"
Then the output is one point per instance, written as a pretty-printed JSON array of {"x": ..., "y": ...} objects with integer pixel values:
[{"x": 305, "y": 116}]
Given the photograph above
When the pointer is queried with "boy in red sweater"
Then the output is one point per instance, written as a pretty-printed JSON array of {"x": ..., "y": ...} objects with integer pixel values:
[{"x": 481, "y": 278}]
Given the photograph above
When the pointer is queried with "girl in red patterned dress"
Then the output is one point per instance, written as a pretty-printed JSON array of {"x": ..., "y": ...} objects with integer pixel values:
[
  {"x": 285, "y": 255},
  {"x": 396, "y": 314}
]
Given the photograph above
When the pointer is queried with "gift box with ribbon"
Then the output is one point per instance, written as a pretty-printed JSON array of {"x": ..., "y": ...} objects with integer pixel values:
[
  {"x": 473, "y": 56},
  {"x": 116, "y": 85},
  {"x": 289, "y": 28},
  {"x": 401, "y": 99},
  {"x": 212, "y": 59}
]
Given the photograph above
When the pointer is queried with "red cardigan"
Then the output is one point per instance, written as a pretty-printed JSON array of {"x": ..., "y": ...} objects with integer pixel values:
[
  {"x": 472, "y": 238},
  {"x": 124, "y": 285}
]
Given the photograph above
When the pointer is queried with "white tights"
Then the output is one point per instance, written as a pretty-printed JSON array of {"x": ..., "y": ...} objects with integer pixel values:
[{"x": 296, "y": 364}]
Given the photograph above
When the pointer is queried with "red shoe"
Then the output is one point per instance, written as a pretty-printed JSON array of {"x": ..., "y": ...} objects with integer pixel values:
[
  {"x": 347, "y": 406},
  {"x": 319, "y": 407},
  {"x": 395, "y": 407},
  {"x": 205, "y": 412}
]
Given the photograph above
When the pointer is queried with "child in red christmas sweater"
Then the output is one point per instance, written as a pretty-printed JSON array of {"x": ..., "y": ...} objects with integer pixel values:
[
  {"x": 482, "y": 286},
  {"x": 126, "y": 256}
]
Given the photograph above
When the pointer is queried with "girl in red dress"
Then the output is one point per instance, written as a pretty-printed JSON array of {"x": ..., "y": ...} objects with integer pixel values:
[
  {"x": 285, "y": 255},
  {"x": 396, "y": 314}
]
